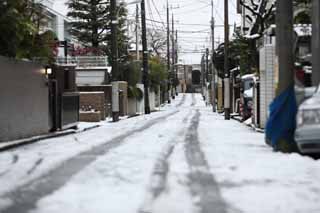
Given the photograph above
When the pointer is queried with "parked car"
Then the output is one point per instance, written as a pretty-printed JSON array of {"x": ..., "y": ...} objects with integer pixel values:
[{"x": 307, "y": 134}]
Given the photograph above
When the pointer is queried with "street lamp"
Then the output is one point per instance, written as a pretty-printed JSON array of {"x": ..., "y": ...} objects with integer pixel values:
[{"x": 48, "y": 70}]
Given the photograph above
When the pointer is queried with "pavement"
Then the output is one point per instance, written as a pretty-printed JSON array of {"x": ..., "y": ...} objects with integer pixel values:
[
  {"x": 82, "y": 127},
  {"x": 182, "y": 159}
]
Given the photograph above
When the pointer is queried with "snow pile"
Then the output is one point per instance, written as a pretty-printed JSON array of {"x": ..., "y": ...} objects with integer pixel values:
[{"x": 252, "y": 177}]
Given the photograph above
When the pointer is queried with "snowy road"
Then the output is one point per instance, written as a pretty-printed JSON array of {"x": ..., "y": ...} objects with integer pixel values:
[{"x": 183, "y": 159}]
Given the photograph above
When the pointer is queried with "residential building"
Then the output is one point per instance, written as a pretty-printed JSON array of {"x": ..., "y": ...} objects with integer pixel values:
[{"x": 57, "y": 23}]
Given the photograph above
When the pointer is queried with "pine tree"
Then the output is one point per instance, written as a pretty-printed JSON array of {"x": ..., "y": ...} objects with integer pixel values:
[
  {"x": 90, "y": 21},
  {"x": 92, "y": 24},
  {"x": 123, "y": 40}
]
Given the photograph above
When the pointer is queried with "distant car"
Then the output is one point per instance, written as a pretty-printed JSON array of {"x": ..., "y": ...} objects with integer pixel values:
[{"x": 307, "y": 134}]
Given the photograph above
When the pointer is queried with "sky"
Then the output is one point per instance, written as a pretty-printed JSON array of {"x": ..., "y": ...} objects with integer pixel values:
[{"x": 189, "y": 16}]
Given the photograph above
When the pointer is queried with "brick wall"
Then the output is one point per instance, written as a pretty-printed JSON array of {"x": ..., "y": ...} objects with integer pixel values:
[
  {"x": 107, "y": 89},
  {"x": 90, "y": 116},
  {"x": 95, "y": 100}
]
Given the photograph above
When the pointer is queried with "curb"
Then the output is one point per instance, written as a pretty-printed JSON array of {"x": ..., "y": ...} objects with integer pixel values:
[
  {"x": 23, "y": 142},
  {"x": 248, "y": 125}
]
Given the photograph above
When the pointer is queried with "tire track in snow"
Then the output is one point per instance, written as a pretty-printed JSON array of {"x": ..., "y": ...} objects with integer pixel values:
[
  {"x": 36, "y": 164},
  {"x": 25, "y": 198},
  {"x": 15, "y": 159},
  {"x": 194, "y": 100},
  {"x": 203, "y": 186},
  {"x": 158, "y": 182},
  {"x": 182, "y": 100}
]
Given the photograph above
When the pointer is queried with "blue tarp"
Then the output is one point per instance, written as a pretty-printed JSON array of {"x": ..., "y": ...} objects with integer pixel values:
[{"x": 282, "y": 120}]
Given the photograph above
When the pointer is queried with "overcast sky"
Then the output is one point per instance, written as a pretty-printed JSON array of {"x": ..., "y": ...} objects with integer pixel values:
[{"x": 190, "y": 15}]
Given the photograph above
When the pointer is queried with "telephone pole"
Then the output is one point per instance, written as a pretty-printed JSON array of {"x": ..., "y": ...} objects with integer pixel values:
[
  {"x": 226, "y": 63},
  {"x": 115, "y": 67},
  {"x": 207, "y": 75},
  {"x": 176, "y": 73},
  {"x": 284, "y": 40},
  {"x": 145, "y": 59},
  {"x": 315, "y": 42},
  {"x": 168, "y": 52},
  {"x": 137, "y": 32},
  {"x": 207, "y": 65},
  {"x": 213, "y": 84},
  {"x": 173, "y": 60}
]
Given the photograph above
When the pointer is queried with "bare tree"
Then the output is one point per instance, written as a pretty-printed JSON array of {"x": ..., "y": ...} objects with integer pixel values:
[
  {"x": 157, "y": 42},
  {"x": 261, "y": 11}
]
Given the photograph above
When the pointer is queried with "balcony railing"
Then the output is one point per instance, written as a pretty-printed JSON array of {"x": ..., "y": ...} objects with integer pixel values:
[{"x": 83, "y": 61}]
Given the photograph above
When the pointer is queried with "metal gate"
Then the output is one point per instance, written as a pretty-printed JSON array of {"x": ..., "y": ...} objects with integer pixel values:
[{"x": 53, "y": 104}]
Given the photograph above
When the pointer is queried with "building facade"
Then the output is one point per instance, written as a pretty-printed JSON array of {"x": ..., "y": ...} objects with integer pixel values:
[{"x": 57, "y": 23}]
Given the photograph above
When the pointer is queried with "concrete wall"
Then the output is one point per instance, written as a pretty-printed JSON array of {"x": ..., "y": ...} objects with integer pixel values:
[
  {"x": 123, "y": 87},
  {"x": 152, "y": 100},
  {"x": 24, "y": 107},
  {"x": 132, "y": 106},
  {"x": 91, "y": 77},
  {"x": 267, "y": 81}
]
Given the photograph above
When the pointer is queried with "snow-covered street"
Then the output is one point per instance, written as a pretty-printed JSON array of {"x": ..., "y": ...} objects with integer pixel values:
[{"x": 182, "y": 159}]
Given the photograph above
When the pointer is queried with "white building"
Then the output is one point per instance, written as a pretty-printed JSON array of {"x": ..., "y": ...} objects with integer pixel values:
[{"x": 56, "y": 22}]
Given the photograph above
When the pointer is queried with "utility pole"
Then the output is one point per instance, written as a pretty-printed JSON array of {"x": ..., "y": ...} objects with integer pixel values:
[
  {"x": 315, "y": 42},
  {"x": 168, "y": 52},
  {"x": 284, "y": 40},
  {"x": 173, "y": 59},
  {"x": 226, "y": 62},
  {"x": 207, "y": 65},
  {"x": 213, "y": 84},
  {"x": 185, "y": 77},
  {"x": 176, "y": 53},
  {"x": 207, "y": 75},
  {"x": 145, "y": 59},
  {"x": 115, "y": 67},
  {"x": 137, "y": 32}
]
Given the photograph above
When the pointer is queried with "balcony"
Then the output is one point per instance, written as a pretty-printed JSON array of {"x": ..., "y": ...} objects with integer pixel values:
[{"x": 84, "y": 62}]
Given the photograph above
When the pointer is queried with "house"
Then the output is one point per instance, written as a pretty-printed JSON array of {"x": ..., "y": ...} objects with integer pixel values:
[
  {"x": 196, "y": 79},
  {"x": 182, "y": 74},
  {"x": 57, "y": 23},
  {"x": 92, "y": 80}
]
